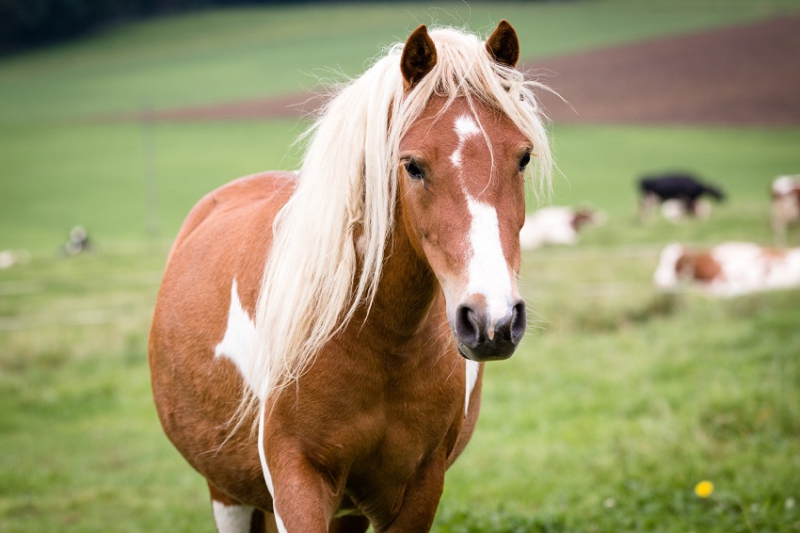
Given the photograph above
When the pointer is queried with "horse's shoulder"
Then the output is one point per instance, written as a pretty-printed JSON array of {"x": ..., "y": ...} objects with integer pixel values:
[
  {"x": 261, "y": 187},
  {"x": 226, "y": 235}
]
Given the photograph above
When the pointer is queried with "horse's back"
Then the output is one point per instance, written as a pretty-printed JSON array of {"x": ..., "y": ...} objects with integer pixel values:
[{"x": 222, "y": 245}]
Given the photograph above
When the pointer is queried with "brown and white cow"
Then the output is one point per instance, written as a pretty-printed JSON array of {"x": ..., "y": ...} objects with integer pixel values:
[
  {"x": 557, "y": 225},
  {"x": 728, "y": 269},
  {"x": 785, "y": 205}
]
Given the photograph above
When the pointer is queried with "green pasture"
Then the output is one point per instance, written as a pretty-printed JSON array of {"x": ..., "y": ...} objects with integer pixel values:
[{"x": 618, "y": 403}]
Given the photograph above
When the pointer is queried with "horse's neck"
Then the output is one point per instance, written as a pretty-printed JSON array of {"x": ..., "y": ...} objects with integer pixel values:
[{"x": 405, "y": 292}]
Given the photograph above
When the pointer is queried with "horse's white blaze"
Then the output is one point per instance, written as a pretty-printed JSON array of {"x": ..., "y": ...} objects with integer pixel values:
[
  {"x": 489, "y": 274},
  {"x": 456, "y": 157},
  {"x": 237, "y": 343},
  {"x": 472, "y": 378},
  {"x": 465, "y": 127},
  {"x": 232, "y": 518}
]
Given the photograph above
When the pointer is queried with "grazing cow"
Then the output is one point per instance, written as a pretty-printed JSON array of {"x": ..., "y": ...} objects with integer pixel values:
[
  {"x": 728, "y": 269},
  {"x": 77, "y": 243},
  {"x": 9, "y": 258},
  {"x": 679, "y": 195},
  {"x": 785, "y": 205},
  {"x": 556, "y": 225}
]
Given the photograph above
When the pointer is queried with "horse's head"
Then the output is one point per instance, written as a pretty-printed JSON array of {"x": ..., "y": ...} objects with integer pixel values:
[{"x": 462, "y": 197}]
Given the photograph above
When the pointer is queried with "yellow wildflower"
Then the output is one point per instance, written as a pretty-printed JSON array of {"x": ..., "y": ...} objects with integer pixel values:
[{"x": 704, "y": 489}]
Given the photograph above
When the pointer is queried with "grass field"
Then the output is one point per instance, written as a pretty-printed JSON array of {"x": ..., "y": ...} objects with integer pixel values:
[{"x": 619, "y": 402}]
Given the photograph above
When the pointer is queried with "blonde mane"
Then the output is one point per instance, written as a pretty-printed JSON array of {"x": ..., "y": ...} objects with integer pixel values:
[{"x": 329, "y": 239}]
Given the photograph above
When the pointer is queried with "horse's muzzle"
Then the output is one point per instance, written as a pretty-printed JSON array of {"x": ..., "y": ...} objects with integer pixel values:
[{"x": 481, "y": 340}]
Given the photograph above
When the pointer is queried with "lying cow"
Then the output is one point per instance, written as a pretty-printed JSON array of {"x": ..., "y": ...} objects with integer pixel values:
[
  {"x": 728, "y": 269},
  {"x": 556, "y": 225},
  {"x": 679, "y": 195},
  {"x": 785, "y": 205}
]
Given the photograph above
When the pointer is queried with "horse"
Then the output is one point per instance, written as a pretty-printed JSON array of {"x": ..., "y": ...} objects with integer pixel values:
[{"x": 319, "y": 336}]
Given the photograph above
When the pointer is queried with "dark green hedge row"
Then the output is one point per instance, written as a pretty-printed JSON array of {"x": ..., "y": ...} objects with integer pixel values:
[{"x": 27, "y": 23}]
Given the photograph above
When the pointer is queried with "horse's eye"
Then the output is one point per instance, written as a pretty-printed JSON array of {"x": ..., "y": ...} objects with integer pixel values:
[
  {"x": 524, "y": 161},
  {"x": 414, "y": 172}
]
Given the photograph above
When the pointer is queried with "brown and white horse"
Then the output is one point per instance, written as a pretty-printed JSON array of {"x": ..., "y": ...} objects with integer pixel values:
[{"x": 344, "y": 311}]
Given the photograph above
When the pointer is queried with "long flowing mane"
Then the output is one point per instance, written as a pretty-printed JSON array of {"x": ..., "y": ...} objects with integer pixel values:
[{"x": 330, "y": 238}]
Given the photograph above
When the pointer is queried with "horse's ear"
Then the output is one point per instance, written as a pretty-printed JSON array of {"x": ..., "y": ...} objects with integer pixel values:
[
  {"x": 503, "y": 44},
  {"x": 419, "y": 56}
]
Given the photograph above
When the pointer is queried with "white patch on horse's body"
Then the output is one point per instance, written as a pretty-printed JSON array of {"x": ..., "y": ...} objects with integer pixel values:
[
  {"x": 472, "y": 377},
  {"x": 237, "y": 343},
  {"x": 465, "y": 127},
  {"x": 488, "y": 271},
  {"x": 232, "y": 518}
]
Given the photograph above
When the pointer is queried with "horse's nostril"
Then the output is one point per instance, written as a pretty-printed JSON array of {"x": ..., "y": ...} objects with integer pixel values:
[
  {"x": 519, "y": 321},
  {"x": 467, "y": 328},
  {"x": 512, "y": 328}
]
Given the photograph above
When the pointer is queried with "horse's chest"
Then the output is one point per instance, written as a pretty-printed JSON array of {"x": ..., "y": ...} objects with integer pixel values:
[
  {"x": 406, "y": 439},
  {"x": 382, "y": 426}
]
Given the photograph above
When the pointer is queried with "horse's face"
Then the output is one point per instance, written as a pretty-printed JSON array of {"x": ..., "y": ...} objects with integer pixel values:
[{"x": 463, "y": 204}]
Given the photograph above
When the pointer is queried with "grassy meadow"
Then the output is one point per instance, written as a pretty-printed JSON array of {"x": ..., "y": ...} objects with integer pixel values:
[{"x": 618, "y": 403}]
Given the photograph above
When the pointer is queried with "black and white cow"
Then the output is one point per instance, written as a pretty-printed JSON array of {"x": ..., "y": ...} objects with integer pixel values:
[{"x": 678, "y": 194}]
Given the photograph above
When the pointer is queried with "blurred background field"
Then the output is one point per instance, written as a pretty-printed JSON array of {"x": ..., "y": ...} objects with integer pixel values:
[{"x": 620, "y": 400}]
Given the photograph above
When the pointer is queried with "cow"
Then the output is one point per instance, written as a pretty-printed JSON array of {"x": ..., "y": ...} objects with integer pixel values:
[
  {"x": 557, "y": 225},
  {"x": 728, "y": 269},
  {"x": 679, "y": 194},
  {"x": 785, "y": 205},
  {"x": 77, "y": 243}
]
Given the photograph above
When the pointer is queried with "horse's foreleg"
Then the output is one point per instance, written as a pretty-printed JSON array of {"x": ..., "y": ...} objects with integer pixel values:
[
  {"x": 304, "y": 499},
  {"x": 231, "y": 516},
  {"x": 421, "y": 499}
]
